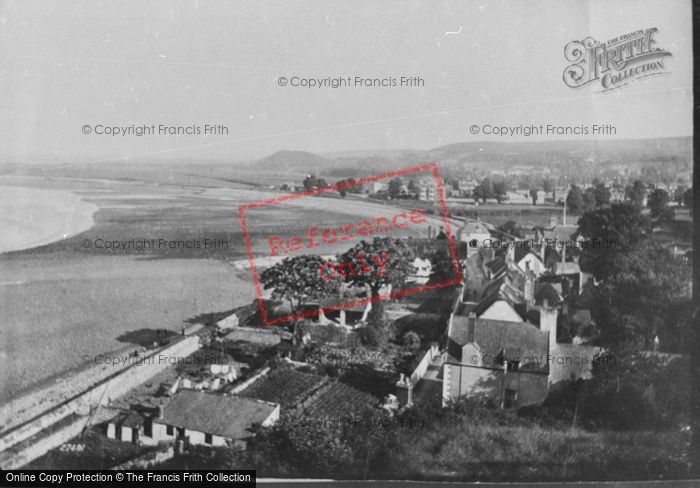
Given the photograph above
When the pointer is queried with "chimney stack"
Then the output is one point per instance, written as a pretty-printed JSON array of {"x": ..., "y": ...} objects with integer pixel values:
[{"x": 471, "y": 326}]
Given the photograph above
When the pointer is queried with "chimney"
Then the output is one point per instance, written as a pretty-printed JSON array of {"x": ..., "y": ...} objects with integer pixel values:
[
  {"x": 529, "y": 289},
  {"x": 548, "y": 322},
  {"x": 471, "y": 326},
  {"x": 511, "y": 251},
  {"x": 563, "y": 252},
  {"x": 543, "y": 250}
]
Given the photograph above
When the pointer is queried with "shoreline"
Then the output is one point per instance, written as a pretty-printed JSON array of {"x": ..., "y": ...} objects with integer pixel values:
[{"x": 33, "y": 217}]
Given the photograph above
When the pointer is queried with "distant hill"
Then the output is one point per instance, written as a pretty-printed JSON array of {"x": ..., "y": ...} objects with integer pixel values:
[
  {"x": 492, "y": 155},
  {"x": 292, "y": 161}
]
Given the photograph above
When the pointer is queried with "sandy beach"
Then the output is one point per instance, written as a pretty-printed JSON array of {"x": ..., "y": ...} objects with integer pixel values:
[{"x": 32, "y": 217}]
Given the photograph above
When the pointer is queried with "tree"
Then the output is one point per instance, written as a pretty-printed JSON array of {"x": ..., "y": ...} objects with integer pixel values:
[
  {"x": 412, "y": 185},
  {"x": 499, "y": 190},
  {"x": 311, "y": 182},
  {"x": 484, "y": 190},
  {"x": 658, "y": 202},
  {"x": 512, "y": 228},
  {"x": 589, "y": 201},
  {"x": 678, "y": 194},
  {"x": 442, "y": 265},
  {"x": 688, "y": 197},
  {"x": 574, "y": 200},
  {"x": 533, "y": 195},
  {"x": 297, "y": 280},
  {"x": 636, "y": 192},
  {"x": 610, "y": 233},
  {"x": 395, "y": 186},
  {"x": 601, "y": 194},
  {"x": 348, "y": 186},
  {"x": 411, "y": 340},
  {"x": 548, "y": 186},
  {"x": 376, "y": 264}
]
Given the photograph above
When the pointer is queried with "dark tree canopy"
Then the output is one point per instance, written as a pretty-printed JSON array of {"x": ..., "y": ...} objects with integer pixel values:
[
  {"x": 533, "y": 195},
  {"x": 395, "y": 186},
  {"x": 574, "y": 200},
  {"x": 617, "y": 230},
  {"x": 297, "y": 280},
  {"x": 658, "y": 202},
  {"x": 381, "y": 262},
  {"x": 636, "y": 192}
]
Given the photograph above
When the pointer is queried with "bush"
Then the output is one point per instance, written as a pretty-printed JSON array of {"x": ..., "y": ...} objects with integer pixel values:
[
  {"x": 374, "y": 336},
  {"x": 411, "y": 340}
]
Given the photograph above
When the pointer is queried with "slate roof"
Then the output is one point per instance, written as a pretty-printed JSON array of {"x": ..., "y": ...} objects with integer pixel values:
[
  {"x": 225, "y": 416},
  {"x": 495, "y": 336}
]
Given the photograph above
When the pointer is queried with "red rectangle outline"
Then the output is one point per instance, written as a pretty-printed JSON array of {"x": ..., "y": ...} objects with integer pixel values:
[{"x": 340, "y": 186}]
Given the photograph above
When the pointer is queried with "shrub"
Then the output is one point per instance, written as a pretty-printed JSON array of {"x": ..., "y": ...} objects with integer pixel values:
[
  {"x": 411, "y": 340},
  {"x": 374, "y": 336}
]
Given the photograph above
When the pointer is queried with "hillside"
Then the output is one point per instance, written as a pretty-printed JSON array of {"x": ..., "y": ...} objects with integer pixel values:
[{"x": 492, "y": 155}]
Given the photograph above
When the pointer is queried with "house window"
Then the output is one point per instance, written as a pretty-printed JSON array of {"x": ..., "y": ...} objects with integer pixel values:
[
  {"x": 510, "y": 399},
  {"x": 148, "y": 428},
  {"x": 208, "y": 438},
  {"x": 169, "y": 430}
]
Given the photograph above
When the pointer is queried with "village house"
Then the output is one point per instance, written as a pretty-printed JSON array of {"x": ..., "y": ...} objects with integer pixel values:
[
  {"x": 505, "y": 361},
  {"x": 196, "y": 417}
]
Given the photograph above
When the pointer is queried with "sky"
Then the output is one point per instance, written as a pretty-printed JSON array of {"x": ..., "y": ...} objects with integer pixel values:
[{"x": 65, "y": 65}]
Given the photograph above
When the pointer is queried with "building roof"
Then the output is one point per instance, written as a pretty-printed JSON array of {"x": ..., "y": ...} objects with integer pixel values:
[
  {"x": 495, "y": 266},
  {"x": 495, "y": 336},
  {"x": 520, "y": 252},
  {"x": 475, "y": 227},
  {"x": 561, "y": 232},
  {"x": 567, "y": 268},
  {"x": 225, "y": 416},
  {"x": 509, "y": 286}
]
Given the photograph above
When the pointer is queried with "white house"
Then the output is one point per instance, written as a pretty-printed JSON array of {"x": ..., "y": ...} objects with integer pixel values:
[
  {"x": 423, "y": 268},
  {"x": 196, "y": 417}
]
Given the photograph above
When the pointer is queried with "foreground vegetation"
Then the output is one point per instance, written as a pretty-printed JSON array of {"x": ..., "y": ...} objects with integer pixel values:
[{"x": 468, "y": 442}]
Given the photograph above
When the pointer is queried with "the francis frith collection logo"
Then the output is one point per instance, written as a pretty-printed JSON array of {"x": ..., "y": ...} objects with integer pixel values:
[{"x": 614, "y": 63}]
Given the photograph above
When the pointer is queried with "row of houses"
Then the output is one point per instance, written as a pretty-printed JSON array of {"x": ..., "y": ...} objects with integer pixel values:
[{"x": 505, "y": 337}]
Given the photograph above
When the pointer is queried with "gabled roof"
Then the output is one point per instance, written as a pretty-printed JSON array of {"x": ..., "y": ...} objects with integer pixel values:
[
  {"x": 521, "y": 252},
  {"x": 225, "y": 416},
  {"x": 508, "y": 286},
  {"x": 495, "y": 336}
]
